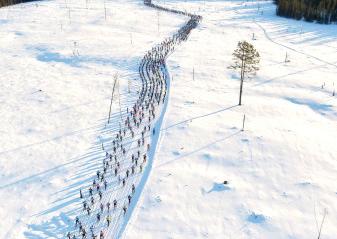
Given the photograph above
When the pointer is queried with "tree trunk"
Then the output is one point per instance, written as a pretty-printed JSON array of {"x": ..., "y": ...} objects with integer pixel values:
[
  {"x": 241, "y": 78},
  {"x": 241, "y": 86}
]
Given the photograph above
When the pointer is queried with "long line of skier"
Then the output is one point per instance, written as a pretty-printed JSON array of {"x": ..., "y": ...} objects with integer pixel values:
[{"x": 106, "y": 201}]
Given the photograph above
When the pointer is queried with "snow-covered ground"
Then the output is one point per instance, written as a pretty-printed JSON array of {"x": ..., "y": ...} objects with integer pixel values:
[
  {"x": 282, "y": 169},
  {"x": 56, "y": 76},
  {"x": 57, "y": 68}
]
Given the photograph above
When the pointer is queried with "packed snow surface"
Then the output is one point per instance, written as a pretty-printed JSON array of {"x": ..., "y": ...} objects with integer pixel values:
[{"x": 57, "y": 62}]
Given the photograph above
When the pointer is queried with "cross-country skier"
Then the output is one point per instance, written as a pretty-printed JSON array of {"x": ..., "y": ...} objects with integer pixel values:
[
  {"x": 115, "y": 203},
  {"x": 84, "y": 205},
  {"x": 84, "y": 233},
  {"x": 108, "y": 220},
  {"x": 77, "y": 221},
  {"x": 105, "y": 184}
]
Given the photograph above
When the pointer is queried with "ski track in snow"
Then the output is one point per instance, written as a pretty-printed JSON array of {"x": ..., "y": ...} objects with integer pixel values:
[{"x": 290, "y": 48}]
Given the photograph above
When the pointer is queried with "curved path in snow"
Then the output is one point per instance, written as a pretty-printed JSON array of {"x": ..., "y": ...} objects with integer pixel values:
[{"x": 128, "y": 155}]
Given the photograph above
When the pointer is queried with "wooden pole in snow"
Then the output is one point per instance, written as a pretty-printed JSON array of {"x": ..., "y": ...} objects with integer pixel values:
[
  {"x": 243, "y": 122},
  {"x": 112, "y": 95}
]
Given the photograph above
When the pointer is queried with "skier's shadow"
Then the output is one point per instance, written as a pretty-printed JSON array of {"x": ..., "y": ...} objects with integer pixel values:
[
  {"x": 67, "y": 205},
  {"x": 54, "y": 228}
]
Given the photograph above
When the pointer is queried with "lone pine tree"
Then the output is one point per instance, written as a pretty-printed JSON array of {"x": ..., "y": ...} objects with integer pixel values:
[{"x": 246, "y": 59}]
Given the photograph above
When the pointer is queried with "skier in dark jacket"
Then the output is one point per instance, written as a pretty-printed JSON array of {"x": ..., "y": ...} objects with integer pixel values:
[
  {"x": 133, "y": 189},
  {"x": 77, "y": 221}
]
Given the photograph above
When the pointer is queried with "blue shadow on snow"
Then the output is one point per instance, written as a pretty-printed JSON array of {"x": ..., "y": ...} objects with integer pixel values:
[
  {"x": 219, "y": 187},
  {"x": 256, "y": 218},
  {"x": 320, "y": 108},
  {"x": 44, "y": 55}
]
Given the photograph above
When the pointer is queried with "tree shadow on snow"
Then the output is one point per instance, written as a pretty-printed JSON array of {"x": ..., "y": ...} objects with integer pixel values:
[
  {"x": 55, "y": 221},
  {"x": 323, "y": 109},
  {"x": 46, "y": 55}
]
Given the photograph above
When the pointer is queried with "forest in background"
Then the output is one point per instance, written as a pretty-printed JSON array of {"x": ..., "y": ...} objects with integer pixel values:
[
  {"x": 321, "y": 11},
  {"x": 4, "y": 3}
]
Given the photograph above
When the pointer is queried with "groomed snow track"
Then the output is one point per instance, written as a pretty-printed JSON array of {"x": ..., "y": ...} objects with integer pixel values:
[{"x": 132, "y": 149}]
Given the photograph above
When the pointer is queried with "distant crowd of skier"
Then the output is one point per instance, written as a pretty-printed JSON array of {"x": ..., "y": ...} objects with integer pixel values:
[{"x": 111, "y": 192}]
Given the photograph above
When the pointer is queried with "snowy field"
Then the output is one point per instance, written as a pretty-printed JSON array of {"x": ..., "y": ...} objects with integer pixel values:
[
  {"x": 282, "y": 169},
  {"x": 57, "y": 68}
]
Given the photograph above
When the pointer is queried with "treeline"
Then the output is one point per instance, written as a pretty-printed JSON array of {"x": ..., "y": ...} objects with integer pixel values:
[
  {"x": 4, "y": 3},
  {"x": 321, "y": 11}
]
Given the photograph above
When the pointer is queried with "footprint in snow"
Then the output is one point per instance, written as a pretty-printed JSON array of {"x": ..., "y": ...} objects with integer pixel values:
[
  {"x": 189, "y": 102},
  {"x": 158, "y": 199},
  {"x": 176, "y": 153},
  {"x": 207, "y": 157},
  {"x": 256, "y": 218},
  {"x": 217, "y": 187},
  {"x": 306, "y": 184}
]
